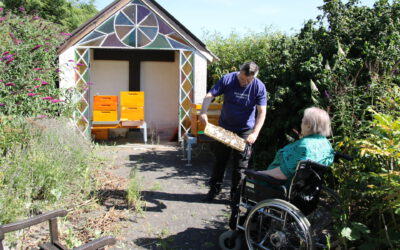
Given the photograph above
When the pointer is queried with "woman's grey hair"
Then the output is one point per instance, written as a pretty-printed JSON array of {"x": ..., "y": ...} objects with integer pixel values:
[
  {"x": 318, "y": 120},
  {"x": 250, "y": 69}
]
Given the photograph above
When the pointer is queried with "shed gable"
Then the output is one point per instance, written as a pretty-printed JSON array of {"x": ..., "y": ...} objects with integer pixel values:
[{"x": 135, "y": 26}]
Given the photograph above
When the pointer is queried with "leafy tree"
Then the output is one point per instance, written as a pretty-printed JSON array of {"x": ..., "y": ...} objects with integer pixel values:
[{"x": 69, "y": 13}]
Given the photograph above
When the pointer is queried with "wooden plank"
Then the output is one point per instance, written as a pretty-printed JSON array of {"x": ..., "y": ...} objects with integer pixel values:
[{"x": 225, "y": 136}]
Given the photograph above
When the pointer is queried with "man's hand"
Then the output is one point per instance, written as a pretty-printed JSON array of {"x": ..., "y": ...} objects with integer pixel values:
[
  {"x": 252, "y": 138},
  {"x": 203, "y": 118}
]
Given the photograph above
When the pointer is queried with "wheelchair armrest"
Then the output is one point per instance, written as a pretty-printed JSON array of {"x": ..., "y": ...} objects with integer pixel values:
[
  {"x": 99, "y": 243},
  {"x": 32, "y": 221},
  {"x": 264, "y": 177}
]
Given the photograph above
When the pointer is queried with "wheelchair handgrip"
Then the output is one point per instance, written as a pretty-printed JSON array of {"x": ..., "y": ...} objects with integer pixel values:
[{"x": 264, "y": 177}]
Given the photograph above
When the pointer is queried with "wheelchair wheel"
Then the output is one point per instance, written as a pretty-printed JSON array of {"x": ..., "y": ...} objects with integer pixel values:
[
  {"x": 277, "y": 224},
  {"x": 324, "y": 218},
  {"x": 228, "y": 241}
]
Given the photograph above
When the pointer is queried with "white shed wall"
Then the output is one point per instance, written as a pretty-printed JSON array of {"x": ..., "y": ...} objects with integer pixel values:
[
  {"x": 67, "y": 72},
  {"x": 160, "y": 83},
  {"x": 200, "y": 81},
  {"x": 108, "y": 78}
]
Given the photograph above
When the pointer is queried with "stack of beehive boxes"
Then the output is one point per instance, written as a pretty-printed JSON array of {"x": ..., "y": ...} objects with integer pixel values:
[
  {"x": 105, "y": 109},
  {"x": 132, "y": 106}
]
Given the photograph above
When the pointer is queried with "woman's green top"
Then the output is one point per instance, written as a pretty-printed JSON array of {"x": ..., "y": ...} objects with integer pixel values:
[{"x": 312, "y": 147}]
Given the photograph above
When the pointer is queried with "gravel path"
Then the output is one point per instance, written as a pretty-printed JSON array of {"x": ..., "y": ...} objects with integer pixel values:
[{"x": 174, "y": 216}]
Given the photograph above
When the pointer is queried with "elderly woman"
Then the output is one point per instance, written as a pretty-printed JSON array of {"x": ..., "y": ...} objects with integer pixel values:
[{"x": 314, "y": 145}]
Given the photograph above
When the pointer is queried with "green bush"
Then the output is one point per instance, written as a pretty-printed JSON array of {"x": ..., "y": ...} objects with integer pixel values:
[
  {"x": 48, "y": 169},
  {"x": 29, "y": 66}
]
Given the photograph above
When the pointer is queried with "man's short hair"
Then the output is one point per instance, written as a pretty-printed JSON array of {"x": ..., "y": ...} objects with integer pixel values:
[
  {"x": 249, "y": 69},
  {"x": 318, "y": 120}
]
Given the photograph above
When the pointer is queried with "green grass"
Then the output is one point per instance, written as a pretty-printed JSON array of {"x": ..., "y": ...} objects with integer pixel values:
[{"x": 134, "y": 196}]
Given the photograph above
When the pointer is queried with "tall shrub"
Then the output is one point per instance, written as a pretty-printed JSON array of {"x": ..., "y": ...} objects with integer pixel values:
[{"x": 29, "y": 65}]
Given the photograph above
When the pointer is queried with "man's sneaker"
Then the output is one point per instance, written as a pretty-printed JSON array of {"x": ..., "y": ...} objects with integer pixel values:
[{"x": 210, "y": 196}]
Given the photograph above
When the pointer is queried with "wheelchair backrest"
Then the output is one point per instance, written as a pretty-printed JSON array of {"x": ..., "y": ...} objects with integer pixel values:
[{"x": 306, "y": 185}]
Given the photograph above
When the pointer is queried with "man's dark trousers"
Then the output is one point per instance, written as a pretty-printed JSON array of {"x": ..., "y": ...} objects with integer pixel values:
[{"x": 240, "y": 161}]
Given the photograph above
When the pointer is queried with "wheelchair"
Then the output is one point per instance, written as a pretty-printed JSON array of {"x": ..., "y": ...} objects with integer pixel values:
[{"x": 268, "y": 215}]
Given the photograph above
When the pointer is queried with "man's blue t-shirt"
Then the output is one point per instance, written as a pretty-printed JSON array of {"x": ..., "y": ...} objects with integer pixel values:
[{"x": 239, "y": 109}]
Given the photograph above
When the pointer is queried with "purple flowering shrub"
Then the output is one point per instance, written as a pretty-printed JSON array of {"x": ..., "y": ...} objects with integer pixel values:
[{"x": 29, "y": 66}]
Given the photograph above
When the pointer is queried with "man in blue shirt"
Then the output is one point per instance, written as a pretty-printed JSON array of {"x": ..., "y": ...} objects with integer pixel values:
[{"x": 243, "y": 112}]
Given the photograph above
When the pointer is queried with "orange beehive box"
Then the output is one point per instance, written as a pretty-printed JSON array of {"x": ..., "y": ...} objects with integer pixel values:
[
  {"x": 132, "y": 113},
  {"x": 213, "y": 114},
  {"x": 132, "y": 98},
  {"x": 105, "y": 115},
  {"x": 105, "y": 99},
  {"x": 105, "y": 106},
  {"x": 100, "y": 134}
]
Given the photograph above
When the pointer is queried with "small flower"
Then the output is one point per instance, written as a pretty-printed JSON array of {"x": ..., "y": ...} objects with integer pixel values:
[
  {"x": 22, "y": 9},
  {"x": 32, "y": 94},
  {"x": 56, "y": 101},
  {"x": 2, "y": 19},
  {"x": 37, "y": 86},
  {"x": 37, "y": 79},
  {"x": 327, "y": 94},
  {"x": 47, "y": 98},
  {"x": 58, "y": 70},
  {"x": 71, "y": 60},
  {"x": 35, "y": 18},
  {"x": 17, "y": 42},
  {"x": 1, "y": 10},
  {"x": 11, "y": 35},
  {"x": 9, "y": 84},
  {"x": 1, "y": 80},
  {"x": 2, "y": 105},
  {"x": 7, "y": 57},
  {"x": 36, "y": 47},
  {"x": 65, "y": 34},
  {"x": 6, "y": 53},
  {"x": 80, "y": 64},
  {"x": 44, "y": 83},
  {"x": 37, "y": 69},
  {"x": 9, "y": 61}
]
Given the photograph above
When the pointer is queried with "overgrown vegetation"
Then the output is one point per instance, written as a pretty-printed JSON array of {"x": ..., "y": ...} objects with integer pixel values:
[
  {"x": 347, "y": 62},
  {"x": 29, "y": 66},
  {"x": 45, "y": 170}
]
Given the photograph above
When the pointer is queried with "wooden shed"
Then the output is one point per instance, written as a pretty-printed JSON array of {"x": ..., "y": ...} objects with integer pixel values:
[{"x": 136, "y": 45}]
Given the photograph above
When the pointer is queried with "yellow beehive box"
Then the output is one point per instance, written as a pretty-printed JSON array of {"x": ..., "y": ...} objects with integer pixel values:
[
  {"x": 132, "y": 113},
  {"x": 132, "y": 98},
  {"x": 105, "y": 115}
]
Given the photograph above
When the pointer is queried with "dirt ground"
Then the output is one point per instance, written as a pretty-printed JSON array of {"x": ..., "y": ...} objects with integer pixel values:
[{"x": 174, "y": 216}]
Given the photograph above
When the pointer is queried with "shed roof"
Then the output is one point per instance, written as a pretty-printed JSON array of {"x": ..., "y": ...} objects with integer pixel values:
[{"x": 156, "y": 8}]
